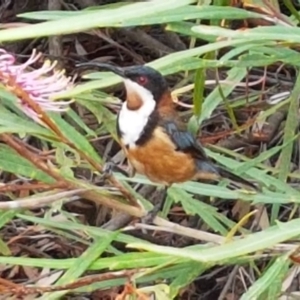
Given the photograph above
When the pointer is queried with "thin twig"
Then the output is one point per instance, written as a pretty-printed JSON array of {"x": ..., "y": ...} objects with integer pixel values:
[
  {"x": 164, "y": 225},
  {"x": 88, "y": 280},
  {"x": 30, "y": 187},
  {"x": 228, "y": 283},
  {"x": 42, "y": 200}
]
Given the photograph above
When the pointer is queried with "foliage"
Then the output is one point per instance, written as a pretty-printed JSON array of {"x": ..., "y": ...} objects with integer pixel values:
[{"x": 231, "y": 243}]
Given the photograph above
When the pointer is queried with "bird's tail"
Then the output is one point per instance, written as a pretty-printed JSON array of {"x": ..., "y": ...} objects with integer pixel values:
[
  {"x": 209, "y": 170},
  {"x": 237, "y": 180}
]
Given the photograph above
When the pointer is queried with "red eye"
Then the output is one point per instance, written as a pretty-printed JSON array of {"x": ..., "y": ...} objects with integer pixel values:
[{"x": 142, "y": 80}]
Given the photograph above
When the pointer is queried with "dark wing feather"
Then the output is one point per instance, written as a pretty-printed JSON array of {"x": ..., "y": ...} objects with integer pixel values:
[{"x": 185, "y": 141}]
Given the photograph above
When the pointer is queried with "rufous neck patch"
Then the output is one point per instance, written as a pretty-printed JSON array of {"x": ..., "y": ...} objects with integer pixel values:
[{"x": 134, "y": 101}]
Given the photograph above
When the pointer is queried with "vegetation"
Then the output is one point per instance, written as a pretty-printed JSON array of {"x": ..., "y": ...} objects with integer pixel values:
[{"x": 66, "y": 230}]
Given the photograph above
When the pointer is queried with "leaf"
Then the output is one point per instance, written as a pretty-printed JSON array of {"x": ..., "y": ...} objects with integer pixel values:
[
  {"x": 58, "y": 14},
  {"x": 185, "y": 278},
  {"x": 105, "y": 117},
  {"x": 288, "y": 195},
  {"x": 82, "y": 263},
  {"x": 198, "y": 96},
  {"x": 290, "y": 6},
  {"x": 192, "y": 206},
  {"x": 289, "y": 134},
  {"x": 262, "y": 157},
  {"x": 123, "y": 261},
  {"x": 6, "y": 216},
  {"x": 75, "y": 137},
  {"x": 185, "y": 28},
  {"x": 271, "y": 278},
  {"x": 193, "y": 12},
  {"x": 12, "y": 123},
  {"x": 71, "y": 226},
  {"x": 12, "y": 162},
  {"x": 235, "y": 75},
  {"x": 275, "y": 289},
  {"x": 267, "y": 33},
  {"x": 289, "y": 131},
  {"x": 146, "y": 204},
  {"x": 163, "y": 275},
  {"x": 256, "y": 174},
  {"x": 76, "y": 118},
  {"x": 173, "y": 15},
  {"x": 242, "y": 246},
  {"x": 4, "y": 249},
  {"x": 91, "y": 19}
]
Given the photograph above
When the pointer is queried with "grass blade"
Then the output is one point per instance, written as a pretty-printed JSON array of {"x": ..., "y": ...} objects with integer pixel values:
[
  {"x": 289, "y": 134},
  {"x": 272, "y": 277},
  {"x": 81, "y": 264},
  {"x": 92, "y": 19},
  {"x": 251, "y": 243},
  {"x": 12, "y": 162}
]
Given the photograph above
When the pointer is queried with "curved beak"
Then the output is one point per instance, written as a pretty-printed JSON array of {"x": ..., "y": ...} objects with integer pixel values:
[
  {"x": 134, "y": 98},
  {"x": 103, "y": 66}
]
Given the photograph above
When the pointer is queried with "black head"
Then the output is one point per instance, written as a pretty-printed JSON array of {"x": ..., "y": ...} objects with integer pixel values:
[{"x": 144, "y": 76}]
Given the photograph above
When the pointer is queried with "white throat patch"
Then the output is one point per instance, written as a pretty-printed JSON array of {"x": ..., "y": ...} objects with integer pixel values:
[{"x": 132, "y": 122}]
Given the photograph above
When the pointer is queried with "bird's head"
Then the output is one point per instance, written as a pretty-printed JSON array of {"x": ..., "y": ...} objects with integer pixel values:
[{"x": 142, "y": 83}]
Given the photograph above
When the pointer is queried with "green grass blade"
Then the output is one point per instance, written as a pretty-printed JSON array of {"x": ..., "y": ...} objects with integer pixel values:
[
  {"x": 185, "y": 28},
  {"x": 271, "y": 278},
  {"x": 192, "y": 12},
  {"x": 263, "y": 156},
  {"x": 81, "y": 264},
  {"x": 267, "y": 33},
  {"x": 75, "y": 137},
  {"x": 289, "y": 131},
  {"x": 186, "y": 277},
  {"x": 124, "y": 261},
  {"x": 92, "y": 19},
  {"x": 257, "y": 174},
  {"x": 195, "y": 207},
  {"x": 173, "y": 15},
  {"x": 77, "y": 119},
  {"x": 164, "y": 274},
  {"x": 69, "y": 226},
  {"x": 287, "y": 195},
  {"x": 5, "y": 217},
  {"x": 235, "y": 75},
  {"x": 251, "y": 243},
  {"x": 4, "y": 249},
  {"x": 198, "y": 96},
  {"x": 12, "y": 123},
  {"x": 289, "y": 134},
  {"x": 11, "y": 161}
]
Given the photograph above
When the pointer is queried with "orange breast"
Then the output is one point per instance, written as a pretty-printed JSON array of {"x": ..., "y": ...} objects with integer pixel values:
[{"x": 160, "y": 162}]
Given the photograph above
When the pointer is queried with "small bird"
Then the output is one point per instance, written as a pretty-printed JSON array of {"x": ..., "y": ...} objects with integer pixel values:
[{"x": 155, "y": 141}]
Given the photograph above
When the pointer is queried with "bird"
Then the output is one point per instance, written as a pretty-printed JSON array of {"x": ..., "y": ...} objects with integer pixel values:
[{"x": 155, "y": 141}]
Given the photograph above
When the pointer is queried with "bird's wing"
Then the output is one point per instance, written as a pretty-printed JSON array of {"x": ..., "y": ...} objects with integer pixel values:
[
  {"x": 183, "y": 139},
  {"x": 185, "y": 142}
]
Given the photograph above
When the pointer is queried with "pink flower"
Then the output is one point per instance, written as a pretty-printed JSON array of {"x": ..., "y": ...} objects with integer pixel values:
[{"x": 41, "y": 85}]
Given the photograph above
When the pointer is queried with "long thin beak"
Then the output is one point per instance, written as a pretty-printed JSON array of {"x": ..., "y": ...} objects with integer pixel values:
[{"x": 102, "y": 66}]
